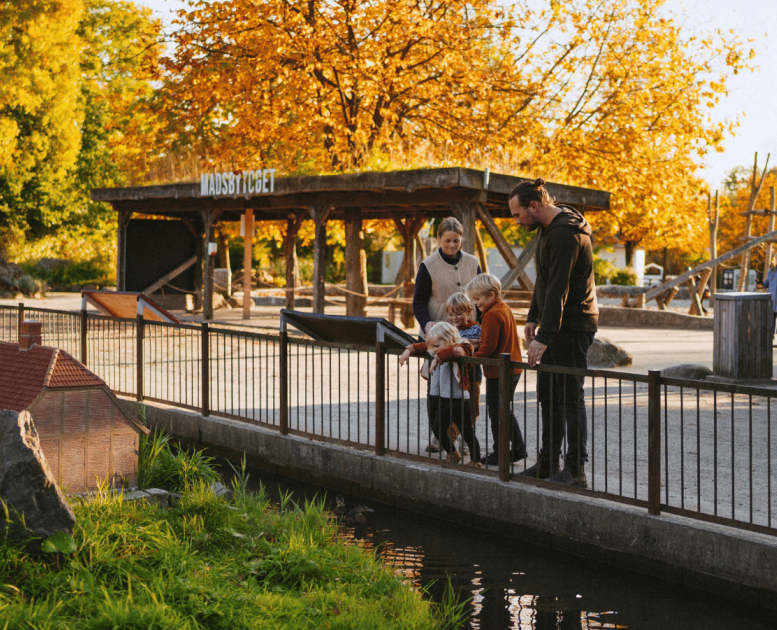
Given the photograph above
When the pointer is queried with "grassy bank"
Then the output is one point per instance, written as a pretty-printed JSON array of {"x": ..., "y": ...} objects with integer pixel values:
[{"x": 206, "y": 562}]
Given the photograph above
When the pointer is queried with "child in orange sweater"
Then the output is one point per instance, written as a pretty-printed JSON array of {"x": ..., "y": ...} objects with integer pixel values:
[
  {"x": 499, "y": 335},
  {"x": 451, "y": 384}
]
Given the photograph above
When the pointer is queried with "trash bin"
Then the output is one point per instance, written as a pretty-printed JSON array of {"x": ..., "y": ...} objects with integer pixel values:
[{"x": 742, "y": 346}]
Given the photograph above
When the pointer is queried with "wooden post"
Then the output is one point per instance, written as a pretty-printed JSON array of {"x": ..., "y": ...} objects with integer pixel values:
[
  {"x": 205, "y": 351},
  {"x": 769, "y": 246},
  {"x": 290, "y": 255},
  {"x": 248, "y": 261},
  {"x": 355, "y": 265},
  {"x": 198, "y": 272},
  {"x": 121, "y": 250},
  {"x": 209, "y": 219},
  {"x": 380, "y": 398},
  {"x": 320, "y": 215},
  {"x": 503, "y": 453},
  {"x": 714, "y": 222},
  {"x": 755, "y": 190},
  {"x": 467, "y": 213}
]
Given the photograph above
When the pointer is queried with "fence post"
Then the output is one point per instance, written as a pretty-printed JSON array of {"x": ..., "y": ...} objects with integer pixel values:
[
  {"x": 654, "y": 442},
  {"x": 205, "y": 344},
  {"x": 20, "y": 320},
  {"x": 141, "y": 326},
  {"x": 504, "y": 413},
  {"x": 284, "y": 376},
  {"x": 380, "y": 398},
  {"x": 84, "y": 324}
]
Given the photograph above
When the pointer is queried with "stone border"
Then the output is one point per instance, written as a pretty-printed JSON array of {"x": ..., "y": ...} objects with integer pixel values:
[{"x": 737, "y": 563}]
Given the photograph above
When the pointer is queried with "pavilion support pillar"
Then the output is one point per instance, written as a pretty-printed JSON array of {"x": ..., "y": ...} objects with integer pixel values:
[
  {"x": 290, "y": 256},
  {"x": 209, "y": 219},
  {"x": 355, "y": 265},
  {"x": 409, "y": 229},
  {"x": 198, "y": 271},
  {"x": 320, "y": 215},
  {"x": 467, "y": 213},
  {"x": 121, "y": 250},
  {"x": 248, "y": 260}
]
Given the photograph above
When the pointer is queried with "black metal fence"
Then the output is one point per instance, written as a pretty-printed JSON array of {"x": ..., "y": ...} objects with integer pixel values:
[{"x": 693, "y": 448}]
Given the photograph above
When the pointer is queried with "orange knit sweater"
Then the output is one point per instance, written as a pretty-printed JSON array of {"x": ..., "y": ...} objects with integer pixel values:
[{"x": 499, "y": 335}]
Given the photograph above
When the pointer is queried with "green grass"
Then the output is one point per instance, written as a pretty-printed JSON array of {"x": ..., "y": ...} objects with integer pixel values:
[{"x": 207, "y": 563}]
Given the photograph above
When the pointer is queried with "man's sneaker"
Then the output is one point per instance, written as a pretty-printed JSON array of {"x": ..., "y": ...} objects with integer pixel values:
[
  {"x": 517, "y": 454},
  {"x": 492, "y": 459},
  {"x": 572, "y": 476},
  {"x": 433, "y": 446},
  {"x": 545, "y": 468}
]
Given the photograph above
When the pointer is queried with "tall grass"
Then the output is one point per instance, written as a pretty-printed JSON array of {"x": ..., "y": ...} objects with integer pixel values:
[
  {"x": 161, "y": 466},
  {"x": 206, "y": 564}
]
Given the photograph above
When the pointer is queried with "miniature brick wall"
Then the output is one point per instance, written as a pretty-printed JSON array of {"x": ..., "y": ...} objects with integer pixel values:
[{"x": 85, "y": 438}]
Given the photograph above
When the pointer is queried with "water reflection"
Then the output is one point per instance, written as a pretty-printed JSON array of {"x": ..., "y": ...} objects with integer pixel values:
[{"x": 517, "y": 585}]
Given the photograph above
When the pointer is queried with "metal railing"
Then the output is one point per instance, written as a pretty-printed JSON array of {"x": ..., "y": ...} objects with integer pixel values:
[{"x": 693, "y": 448}]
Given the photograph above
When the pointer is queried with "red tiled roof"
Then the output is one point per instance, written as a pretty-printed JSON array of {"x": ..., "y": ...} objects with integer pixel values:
[{"x": 24, "y": 374}]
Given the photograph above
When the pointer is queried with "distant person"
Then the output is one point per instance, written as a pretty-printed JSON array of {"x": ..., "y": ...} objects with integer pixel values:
[
  {"x": 449, "y": 382},
  {"x": 446, "y": 271},
  {"x": 770, "y": 284},
  {"x": 499, "y": 335},
  {"x": 560, "y": 326}
]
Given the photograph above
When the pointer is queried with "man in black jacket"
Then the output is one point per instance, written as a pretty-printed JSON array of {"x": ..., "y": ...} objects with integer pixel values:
[{"x": 560, "y": 326}]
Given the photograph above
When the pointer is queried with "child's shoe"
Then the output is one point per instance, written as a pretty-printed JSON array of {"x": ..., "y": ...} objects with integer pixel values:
[
  {"x": 463, "y": 446},
  {"x": 455, "y": 457}
]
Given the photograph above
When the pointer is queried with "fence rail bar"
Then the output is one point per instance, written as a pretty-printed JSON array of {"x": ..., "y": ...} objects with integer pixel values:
[{"x": 654, "y": 442}]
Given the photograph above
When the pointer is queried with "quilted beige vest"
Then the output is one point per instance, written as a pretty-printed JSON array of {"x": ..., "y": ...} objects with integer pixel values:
[{"x": 447, "y": 280}]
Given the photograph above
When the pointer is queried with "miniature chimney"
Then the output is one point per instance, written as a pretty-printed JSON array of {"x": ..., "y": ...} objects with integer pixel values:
[{"x": 30, "y": 334}]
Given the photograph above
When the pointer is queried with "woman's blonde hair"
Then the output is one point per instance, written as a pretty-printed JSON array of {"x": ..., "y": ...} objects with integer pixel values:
[
  {"x": 443, "y": 332},
  {"x": 450, "y": 224},
  {"x": 458, "y": 303},
  {"x": 484, "y": 284}
]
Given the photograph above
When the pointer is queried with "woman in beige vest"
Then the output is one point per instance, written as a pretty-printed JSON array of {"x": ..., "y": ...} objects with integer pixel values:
[{"x": 445, "y": 272}]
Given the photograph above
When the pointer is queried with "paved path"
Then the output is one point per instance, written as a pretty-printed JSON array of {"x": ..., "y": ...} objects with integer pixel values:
[{"x": 716, "y": 448}]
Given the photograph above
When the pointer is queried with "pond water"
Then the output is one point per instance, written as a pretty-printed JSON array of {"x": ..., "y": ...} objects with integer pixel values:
[{"x": 518, "y": 585}]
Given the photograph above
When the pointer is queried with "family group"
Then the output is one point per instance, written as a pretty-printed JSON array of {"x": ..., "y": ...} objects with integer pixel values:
[{"x": 461, "y": 313}]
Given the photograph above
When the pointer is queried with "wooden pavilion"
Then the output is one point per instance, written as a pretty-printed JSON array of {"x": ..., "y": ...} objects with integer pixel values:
[{"x": 409, "y": 198}]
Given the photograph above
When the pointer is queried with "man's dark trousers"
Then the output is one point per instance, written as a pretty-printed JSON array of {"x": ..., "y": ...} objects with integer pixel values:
[{"x": 561, "y": 395}]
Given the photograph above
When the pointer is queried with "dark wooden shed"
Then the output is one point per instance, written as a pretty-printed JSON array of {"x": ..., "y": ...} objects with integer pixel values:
[{"x": 409, "y": 198}]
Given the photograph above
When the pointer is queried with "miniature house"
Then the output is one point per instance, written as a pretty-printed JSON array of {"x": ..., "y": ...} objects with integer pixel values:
[{"x": 86, "y": 436}]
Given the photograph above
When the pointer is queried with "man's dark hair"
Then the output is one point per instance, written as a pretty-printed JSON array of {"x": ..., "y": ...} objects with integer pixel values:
[{"x": 532, "y": 191}]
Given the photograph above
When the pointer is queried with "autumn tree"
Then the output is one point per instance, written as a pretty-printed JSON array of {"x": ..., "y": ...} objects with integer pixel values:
[
  {"x": 74, "y": 73},
  {"x": 609, "y": 94}
]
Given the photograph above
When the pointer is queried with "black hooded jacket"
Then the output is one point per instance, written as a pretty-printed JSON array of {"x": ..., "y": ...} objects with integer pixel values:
[{"x": 564, "y": 295}]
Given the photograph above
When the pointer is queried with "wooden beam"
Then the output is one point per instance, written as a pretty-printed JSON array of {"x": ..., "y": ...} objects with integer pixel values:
[
  {"x": 248, "y": 261},
  {"x": 755, "y": 190},
  {"x": 481, "y": 252},
  {"x": 170, "y": 275},
  {"x": 518, "y": 272},
  {"x": 660, "y": 290},
  {"x": 209, "y": 219},
  {"x": 505, "y": 249}
]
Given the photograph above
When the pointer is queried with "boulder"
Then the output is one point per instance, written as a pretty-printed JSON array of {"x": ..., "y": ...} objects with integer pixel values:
[
  {"x": 690, "y": 371},
  {"x": 603, "y": 353},
  {"x": 27, "y": 485},
  {"x": 47, "y": 265}
]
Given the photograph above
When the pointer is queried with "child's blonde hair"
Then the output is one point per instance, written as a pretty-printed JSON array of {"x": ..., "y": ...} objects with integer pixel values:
[
  {"x": 443, "y": 332},
  {"x": 458, "y": 303},
  {"x": 484, "y": 284}
]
